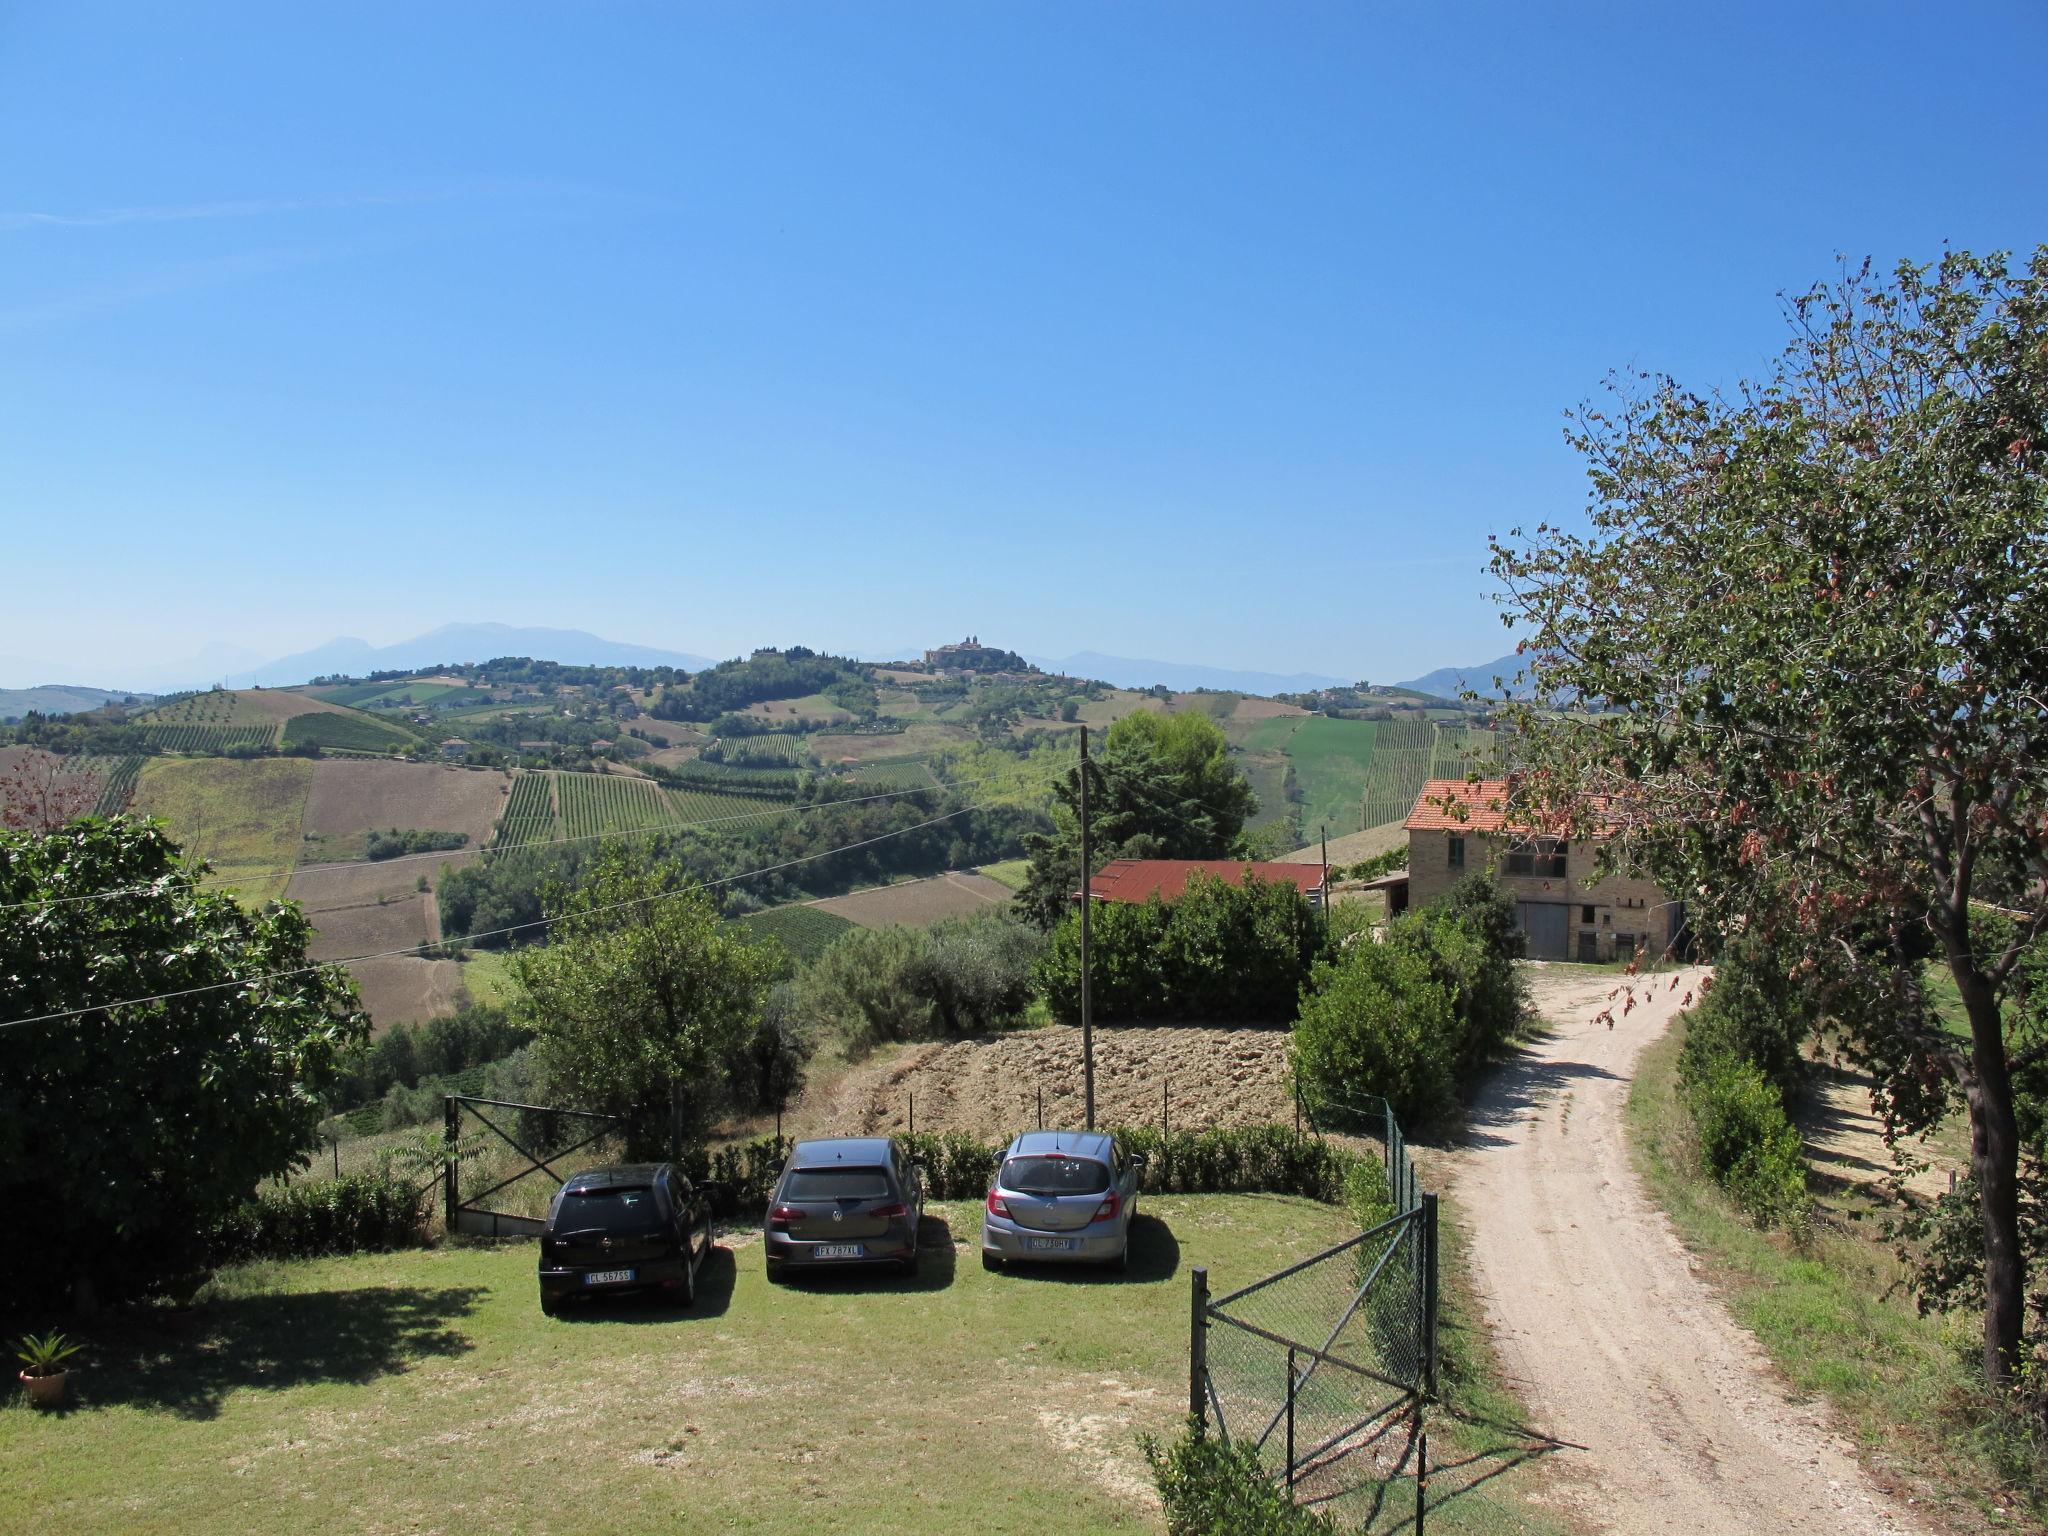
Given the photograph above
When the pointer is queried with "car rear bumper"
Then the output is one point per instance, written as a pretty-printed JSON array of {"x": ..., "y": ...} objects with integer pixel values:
[
  {"x": 787, "y": 1252},
  {"x": 1005, "y": 1240},
  {"x": 557, "y": 1284}
]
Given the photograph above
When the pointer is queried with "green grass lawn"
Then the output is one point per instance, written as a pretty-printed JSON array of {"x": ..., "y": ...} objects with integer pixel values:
[
  {"x": 1831, "y": 1311},
  {"x": 424, "y": 1390}
]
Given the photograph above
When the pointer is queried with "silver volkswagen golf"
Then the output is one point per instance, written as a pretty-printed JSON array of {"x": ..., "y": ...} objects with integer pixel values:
[{"x": 1061, "y": 1196}]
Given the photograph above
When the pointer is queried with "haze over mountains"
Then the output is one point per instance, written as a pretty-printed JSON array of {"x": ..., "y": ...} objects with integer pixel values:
[{"x": 237, "y": 667}]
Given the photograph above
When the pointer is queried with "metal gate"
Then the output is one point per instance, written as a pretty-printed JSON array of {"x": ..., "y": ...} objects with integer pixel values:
[
  {"x": 539, "y": 1126},
  {"x": 1324, "y": 1367},
  {"x": 1547, "y": 925}
]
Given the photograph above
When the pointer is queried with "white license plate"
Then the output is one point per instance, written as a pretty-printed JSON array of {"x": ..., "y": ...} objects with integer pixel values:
[
  {"x": 837, "y": 1251},
  {"x": 1050, "y": 1244},
  {"x": 609, "y": 1277}
]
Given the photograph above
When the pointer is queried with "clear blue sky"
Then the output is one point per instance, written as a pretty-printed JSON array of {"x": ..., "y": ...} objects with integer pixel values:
[{"x": 1220, "y": 333}]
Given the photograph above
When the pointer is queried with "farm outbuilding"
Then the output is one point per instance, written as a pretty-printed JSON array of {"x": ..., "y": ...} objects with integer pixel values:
[
  {"x": 1459, "y": 827},
  {"x": 1139, "y": 880}
]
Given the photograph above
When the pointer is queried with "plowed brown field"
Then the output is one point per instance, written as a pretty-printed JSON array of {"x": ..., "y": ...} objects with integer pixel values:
[
  {"x": 350, "y": 798},
  {"x": 988, "y": 1087},
  {"x": 920, "y": 903}
]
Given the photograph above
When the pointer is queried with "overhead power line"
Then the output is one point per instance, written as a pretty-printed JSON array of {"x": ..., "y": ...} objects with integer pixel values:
[
  {"x": 270, "y": 872},
  {"x": 541, "y": 923}
]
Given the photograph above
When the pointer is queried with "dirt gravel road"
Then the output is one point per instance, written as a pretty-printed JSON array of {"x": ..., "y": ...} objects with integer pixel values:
[{"x": 1617, "y": 1345}]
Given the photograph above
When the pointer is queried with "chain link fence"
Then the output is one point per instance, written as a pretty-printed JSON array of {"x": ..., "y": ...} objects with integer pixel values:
[{"x": 1323, "y": 1368}]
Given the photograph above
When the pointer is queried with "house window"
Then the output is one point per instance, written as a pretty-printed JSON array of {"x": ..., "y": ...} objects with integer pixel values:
[
  {"x": 1545, "y": 858},
  {"x": 1457, "y": 852},
  {"x": 1585, "y": 914}
]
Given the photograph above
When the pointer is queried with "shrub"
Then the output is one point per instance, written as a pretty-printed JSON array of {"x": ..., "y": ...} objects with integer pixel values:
[
  {"x": 1216, "y": 1488},
  {"x": 1747, "y": 1141},
  {"x": 1378, "y": 1021},
  {"x": 1753, "y": 1012},
  {"x": 963, "y": 976},
  {"x": 359, "y": 1214},
  {"x": 1219, "y": 952}
]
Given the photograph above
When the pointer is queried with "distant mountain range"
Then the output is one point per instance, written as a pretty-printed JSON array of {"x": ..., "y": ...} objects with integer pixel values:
[
  {"x": 1127, "y": 672},
  {"x": 1450, "y": 682},
  {"x": 459, "y": 643},
  {"x": 57, "y": 699}
]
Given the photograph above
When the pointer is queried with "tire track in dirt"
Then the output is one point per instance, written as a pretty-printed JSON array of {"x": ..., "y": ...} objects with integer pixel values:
[{"x": 1617, "y": 1345}]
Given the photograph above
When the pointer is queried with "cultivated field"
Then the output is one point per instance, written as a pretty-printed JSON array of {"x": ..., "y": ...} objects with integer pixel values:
[
  {"x": 804, "y": 930},
  {"x": 920, "y": 903},
  {"x": 1332, "y": 763},
  {"x": 989, "y": 1087},
  {"x": 918, "y": 740},
  {"x": 1354, "y": 847},
  {"x": 243, "y": 817},
  {"x": 423, "y": 1390},
  {"x": 811, "y": 707},
  {"x": 110, "y": 781},
  {"x": 350, "y": 798},
  {"x": 548, "y": 805},
  {"x": 1266, "y": 709},
  {"x": 405, "y": 989}
]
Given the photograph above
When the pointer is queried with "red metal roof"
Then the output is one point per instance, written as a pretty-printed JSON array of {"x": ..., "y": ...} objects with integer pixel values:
[{"x": 1140, "y": 879}]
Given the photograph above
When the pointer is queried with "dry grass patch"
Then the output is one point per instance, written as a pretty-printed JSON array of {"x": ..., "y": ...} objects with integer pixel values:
[
  {"x": 243, "y": 817},
  {"x": 352, "y": 797},
  {"x": 920, "y": 903}
]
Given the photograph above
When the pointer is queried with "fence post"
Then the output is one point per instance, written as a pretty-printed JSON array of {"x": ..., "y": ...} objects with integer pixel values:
[
  {"x": 1297, "y": 1108},
  {"x": 1429, "y": 1283},
  {"x": 1290, "y": 1423},
  {"x": 1198, "y": 1348},
  {"x": 451, "y": 1126},
  {"x": 913, "y": 1114},
  {"x": 1041, "y": 1106}
]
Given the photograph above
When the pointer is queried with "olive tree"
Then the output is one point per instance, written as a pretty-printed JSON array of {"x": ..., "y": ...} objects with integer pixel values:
[{"x": 1804, "y": 632}]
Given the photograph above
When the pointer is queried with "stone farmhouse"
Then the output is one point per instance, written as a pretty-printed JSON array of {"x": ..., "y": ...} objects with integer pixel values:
[{"x": 1458, "y": 828}]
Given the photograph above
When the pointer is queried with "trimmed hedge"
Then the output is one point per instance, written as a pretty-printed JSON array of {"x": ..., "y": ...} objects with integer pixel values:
[
  {"x": 1215, "y": 1488},
  {"x": 359, "y": 1214},
  {"x": 1258, "y": 1159}
]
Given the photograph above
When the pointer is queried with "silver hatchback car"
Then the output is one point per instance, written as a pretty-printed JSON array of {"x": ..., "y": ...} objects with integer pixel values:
[{"x": 1062, "y": 1196}]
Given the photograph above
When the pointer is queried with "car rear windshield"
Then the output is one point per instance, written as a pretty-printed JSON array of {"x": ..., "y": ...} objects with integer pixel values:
[
  {"x": 1055, "y": 1174},
  {"x": 835, "y": 1184},
  {"x": 613, "y": 1210}
]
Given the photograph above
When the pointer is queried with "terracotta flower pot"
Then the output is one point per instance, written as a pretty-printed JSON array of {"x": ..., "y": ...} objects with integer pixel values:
[{"x": 44, "y": 1391}]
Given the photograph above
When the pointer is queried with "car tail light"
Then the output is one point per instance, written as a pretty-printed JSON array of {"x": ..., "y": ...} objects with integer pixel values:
[
  {"x": 1107, "y": 1211},
  {"x": 890, "y": 1212},
  {"x": 996, "y": 1204},
  {"x": 783, "y": 1215}
]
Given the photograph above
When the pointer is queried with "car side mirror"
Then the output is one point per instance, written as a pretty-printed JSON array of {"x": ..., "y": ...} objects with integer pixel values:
[{"x": 1138, "y": 1160}]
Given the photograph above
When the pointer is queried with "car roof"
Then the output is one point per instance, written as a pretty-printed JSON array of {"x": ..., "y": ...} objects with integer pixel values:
[
  {"x": 864, "y": 1150},
  {"x": 616, "y": 1176},
  {"x": 1095, "y": 1144}
]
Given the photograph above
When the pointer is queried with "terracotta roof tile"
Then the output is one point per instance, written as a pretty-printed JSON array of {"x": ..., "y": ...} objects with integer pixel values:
[{"x": 1138, "y": 880}]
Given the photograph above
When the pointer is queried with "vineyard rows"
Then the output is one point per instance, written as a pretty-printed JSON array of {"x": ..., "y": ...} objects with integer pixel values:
[
  {"x": 1407, "y": 754},
  {"x": 784, "y": 750},
  {"x": 1401, "y": 756},
  {"x": 206, "y": 738},
  {"x": 529, "y": 812},
  {"x": 884, "y": 773},
  {"x": 117, "y": 783},
  {"x": 546, "y": 806}
]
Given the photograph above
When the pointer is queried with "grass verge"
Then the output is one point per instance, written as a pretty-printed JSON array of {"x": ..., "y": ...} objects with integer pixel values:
[{"x": 1832, "y": 1312}]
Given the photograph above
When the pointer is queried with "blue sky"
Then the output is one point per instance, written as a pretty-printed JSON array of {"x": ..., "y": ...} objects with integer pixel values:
[{"x": 1220, "y": 333}]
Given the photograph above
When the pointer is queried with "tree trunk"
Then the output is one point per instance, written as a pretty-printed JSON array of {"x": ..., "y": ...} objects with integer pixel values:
[{"x": 1994, "y": 1159}]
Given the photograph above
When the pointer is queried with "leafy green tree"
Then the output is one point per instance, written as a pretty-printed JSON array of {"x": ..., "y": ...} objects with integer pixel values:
[
  {"x": 1808, "y": 622},
  {"x": 1377, "y": 1021},
  {"x": 1163, "y": 787},
  {"x": 126, "y": 1135},
  {"x": 640, "y": 994}
]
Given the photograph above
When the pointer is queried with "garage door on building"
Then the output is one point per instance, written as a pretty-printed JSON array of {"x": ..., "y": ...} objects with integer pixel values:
[{"x": 1547, "y": 926}]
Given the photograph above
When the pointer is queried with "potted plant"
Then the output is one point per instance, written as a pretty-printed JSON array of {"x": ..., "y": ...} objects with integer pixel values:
[{"x": 43, "y": 1370}]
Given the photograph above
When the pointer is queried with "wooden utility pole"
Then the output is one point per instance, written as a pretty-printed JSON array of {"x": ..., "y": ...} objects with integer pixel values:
[
  {"x": 1087, "y": 900},
  {"x": 1326, "y": 877}
]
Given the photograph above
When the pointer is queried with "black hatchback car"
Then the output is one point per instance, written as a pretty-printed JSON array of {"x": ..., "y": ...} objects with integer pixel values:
[
  {"x": 849, "y": 1201},
  {"x": 635, "y": 1227}
]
